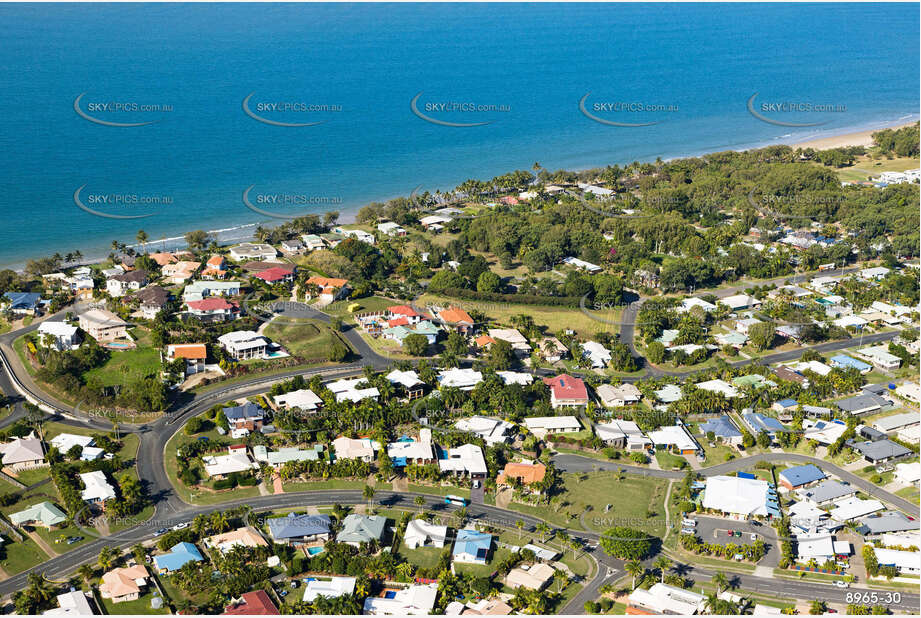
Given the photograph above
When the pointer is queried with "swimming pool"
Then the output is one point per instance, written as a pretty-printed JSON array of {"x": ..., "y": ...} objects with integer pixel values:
[{"x": 313, "y": 551}]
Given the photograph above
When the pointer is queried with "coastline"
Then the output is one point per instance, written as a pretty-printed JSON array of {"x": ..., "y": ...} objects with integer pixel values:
[{"x": 240, "y": 232}]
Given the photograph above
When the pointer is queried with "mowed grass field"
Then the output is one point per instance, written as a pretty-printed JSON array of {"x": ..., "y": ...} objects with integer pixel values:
[
  {"x": 555, "y": 319},
  {"x": 304, "y": 337},
  {"x": 865, "y": 168}
]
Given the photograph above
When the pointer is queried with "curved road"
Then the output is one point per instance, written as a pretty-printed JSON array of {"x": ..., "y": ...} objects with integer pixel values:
[{"x": 171, "y": 509}]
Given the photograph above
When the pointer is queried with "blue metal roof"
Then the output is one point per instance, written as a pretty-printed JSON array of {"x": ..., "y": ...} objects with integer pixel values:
[
  {"x": 473, "y": 543},
  {"x": 760, "y": 422},
  {"x": 180, "y": 554},
  {"x": 803, "y": 475},
  {"x": 847, "y": 361},
  {"x": 721, "y": 426},
  {"x": 745, "y": 475}
]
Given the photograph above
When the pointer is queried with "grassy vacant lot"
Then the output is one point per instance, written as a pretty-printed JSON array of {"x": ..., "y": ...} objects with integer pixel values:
[
  {"x": 631, "y": 500},
  {"x": 670, "y": 461},
  {"x": 127, "y": 367},
  {"x": 309, "y": 339},
  {"x": 866, "y": 167},
  {"x": 140, "y": 606},
  {"x": 555, "y": 319},
  {"x": 20, "y": 555}
]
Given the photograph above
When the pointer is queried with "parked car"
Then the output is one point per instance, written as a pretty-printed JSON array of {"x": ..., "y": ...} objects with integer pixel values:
[
  {"x": 161, "y": 532},
  {"x": 840, "y": 583},
  {"x": 730, "y": 533},
  {"x": 754, "y": 537},
  {"x": 181, "y": 526}
]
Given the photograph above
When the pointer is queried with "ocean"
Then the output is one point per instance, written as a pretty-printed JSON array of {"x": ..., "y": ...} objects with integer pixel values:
[{"x": 348, "y": 75}]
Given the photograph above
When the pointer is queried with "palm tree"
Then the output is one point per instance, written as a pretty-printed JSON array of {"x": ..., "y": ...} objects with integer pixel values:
[
  {"x": 561, "y": 579},
  {"x": 520, "y": 525},
  {"x": 368, "y": 493},
  {"x": 39, "y": 587},
  {"x": 720, "y": 581},
  {"x": 543, "y": 530},
  {"x": 419, "y": 501},
  {"x": 817, "y": 607},
  {"x": 663, "y": 564},
  {"x": 139, "y": 553},
  {"x": 219, "y": 521},
  {"x": 141, "y": 237},
  {"x": 634, "y": 568},
  {"x": 86, "y": 573}
]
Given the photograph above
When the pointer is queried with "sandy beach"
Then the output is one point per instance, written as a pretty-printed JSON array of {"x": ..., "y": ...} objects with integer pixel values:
[{"x": 860, "y": 138}]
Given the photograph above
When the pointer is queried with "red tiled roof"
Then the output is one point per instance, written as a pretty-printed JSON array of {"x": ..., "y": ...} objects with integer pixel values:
[
  {"x": 567, "y": 387},
  {"x": 400, "y": 321},
  {"x": 273, "y": 274},
  {"x": 455, "y": 315},
  {"x": 193, "y": 351},
  {"x": 484, "y": 340},
  {"x": 255, "y": 603},
  {"x": 405, "y": 310},
  {"x": 212, "y": 303},
  {"x": 326, "y": 282}
]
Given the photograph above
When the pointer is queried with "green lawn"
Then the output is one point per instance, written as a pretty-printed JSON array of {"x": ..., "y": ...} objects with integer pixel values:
[
  {"x": 909, "y": 493},
  {"x": 30, "y": 477},
  {"x": 127, "y": 367},
  {"x": 20, "y": 555},
  {"x": 308, "y": 339},
  {"x": 55, "y": 538},
  {"x": 866, "y": 167},
  {"x": 670, "y": 461},
  {"x": 140, "y": 606},
  {"x": 425, "y": 557},
  {"x": 130, "y": 441},
  {"x": 372, "y": 304}
]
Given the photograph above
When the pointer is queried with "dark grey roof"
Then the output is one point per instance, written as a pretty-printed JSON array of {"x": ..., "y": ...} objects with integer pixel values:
[
  {"x": 862, "y": 402},
  {"x": 890, "y": 521},
  {"x": 826, "y": 490},
  {"x": 296, "y": 526},
  {"x": 881, "y": 449}
]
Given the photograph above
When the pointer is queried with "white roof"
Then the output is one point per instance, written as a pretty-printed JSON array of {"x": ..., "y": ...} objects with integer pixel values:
[
  {"x": 491, "y": 430},
  {"x": 732, "y": 494},
  {"x": 417, "y": 449},
  {"x": 515, "y": 377},
  {"x": 20, "y": 450},
  {"x": 897, "y": 421},
  {"x": 552, "y": 422},
  {"x": 669, "y": 393},
  {"x": 738, "y": 301},
  {"x": 879, "y": 352},
  {"x": 414, "y": 601},
  {"x": 97, "y": 487},
  {"x": 673, "y": 435},
  {"x": 718, "y": 386},
  {"x": 853, "y": 507},
  {"x": 688, "y": 303},
  {"x": 805, "y": 515},
  {"x": 624, "y": 392},
  {"x": 419, "y": 532},
  {"x": 908, "y": 472},
  {"x": 350, "y": 448},
  {"x": 238, "y": 461},
  {"x": 465, "y": 458},
  {"x": 304, "y": 398},
  {"x": 358, "y": 394},
  {"x": 616, "y": 429},
  {"x": 903, "y": 560},
  {"x": 332, "y": 588},
  {"x": 71, "y": 603},
  {"x": 512, "y": 335},
  {"x": 819, "y": 545},
  {"x": 459, "y": 378},
  {"x": 237, "y": 338},
  {"x": 850, "y": 320},
  {"x": 433, "y": 219},
  {"x": 407, "y": 378},
  {"x": 814, "y": 366},
  {"x": 65, "y": 441},
  {"x": 58, "y": 329},
  {"x": 596, "y": 352},
  {"x": 668, "y": 599}
]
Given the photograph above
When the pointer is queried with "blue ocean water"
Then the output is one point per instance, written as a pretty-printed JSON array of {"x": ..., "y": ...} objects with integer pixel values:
[{"x": 529, "y": 64}]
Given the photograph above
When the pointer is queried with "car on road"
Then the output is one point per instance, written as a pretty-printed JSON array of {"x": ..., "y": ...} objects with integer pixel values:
[
  {"x": 730, "y": 533},
  {"x": 161, "y": 531},
  {"x": 476, "y": 484},
  {"x": 840, "y": 583},
  {"x": 181, "y": 526},
  {"x": 754, "y": 536}
]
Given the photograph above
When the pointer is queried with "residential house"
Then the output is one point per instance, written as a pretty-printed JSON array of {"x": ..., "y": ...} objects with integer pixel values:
[
  {"x": 103, "y": 325},
  {"x": 566, "y": 392},
  {"x": 73, "y": 603},
  {"x": 826, "y": 492},
  {"x": 867, "y": 403},
  {"x": 96, "y": 488},
  {"x": 664, "y": 599},
  {"x": 846, "y": 362},
  {"x": 464, "y": 460},
  {"x": 414, "y": 600},
  {"x": 123, "y": 283},
  {"x": 625, "y": 394},
  {"x": 180, "y": 272},
  {"x": 880, "y": 451},
  {"x": 253, "y": 603},
  {"x": 391, "y": 229},
  {"x": 596, "y": 354},
  {"x": 492, "y": 431},
  {"x": 456, "y": 318},
  {"x": 245, "y": 344},
  {"x": 247, "y": 416},
  {"x": 312, "y": 242},
  {"x": 543, "y": 425},
  {"x": 471, "y": 546},
  {"x": 420, "y": 533},
  {"x": 800, "y": 476},
  {"x": 409, "y": 451},
  {"x": 552, "y": 349},
  {"x": 533, "y": 577},
  {"x": 275, "y": 275},
  {"x": 44, "y": 514},
  {"x": 253, "y": 251},
  {"x": 303, "y": 399},
  {"x": 236, "y": 461},
  {"x": 215, "y": 268},
  {"x": 331, "y": 289},
  {"x": 63, "y": 335},
  {"x": 194, "y": 355},
  {"x": 347, "y": 390},
  {"x": 464, "y": 379},
  {"x": 880, "y": 357},
  {"x": 408, "y": 381},
  {"x": 675, "y": 437},
  {"x": 179, "y": 555},
  {"x": 519, "y": 343},
  {"x": 213, "y": 309},
  {"x": 350, "y": 448},
  {"x": 124, "y": 583},
  {"x": 358, "y": 528},
  {"x": 306, "y": 530},
  {"x": 23, "y": 453},
  {"x": 292, "y": 246},
  {"x": 718, "y": 386},
  {"x": 622, "y": 434},
  {"x": 245, "y": 537},
  {"x": 153, "y": 299},
  {"x": 723, "y": 429},
  {"x": 525, "y": 473},
  {"x": 330, "y": 588},
  {"x": 197, "y": 290},
  {"x": 739, "y": 302}
]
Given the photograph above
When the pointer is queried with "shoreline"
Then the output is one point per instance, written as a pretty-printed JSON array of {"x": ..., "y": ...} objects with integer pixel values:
[{"x": 234, "y": 234}]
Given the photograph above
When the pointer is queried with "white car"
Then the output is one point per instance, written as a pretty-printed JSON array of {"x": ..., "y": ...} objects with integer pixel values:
[
  {"x": 184, "y": 524},
  {"x": 840, "y": 583},
  {"x": 754, "y": 536}
]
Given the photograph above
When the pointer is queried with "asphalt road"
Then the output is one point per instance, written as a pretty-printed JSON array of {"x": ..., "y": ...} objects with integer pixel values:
[{"x": 170, "y": 509}]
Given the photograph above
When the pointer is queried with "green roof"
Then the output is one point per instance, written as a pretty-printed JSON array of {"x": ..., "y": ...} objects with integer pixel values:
[{"x": 44, "y": 512}]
